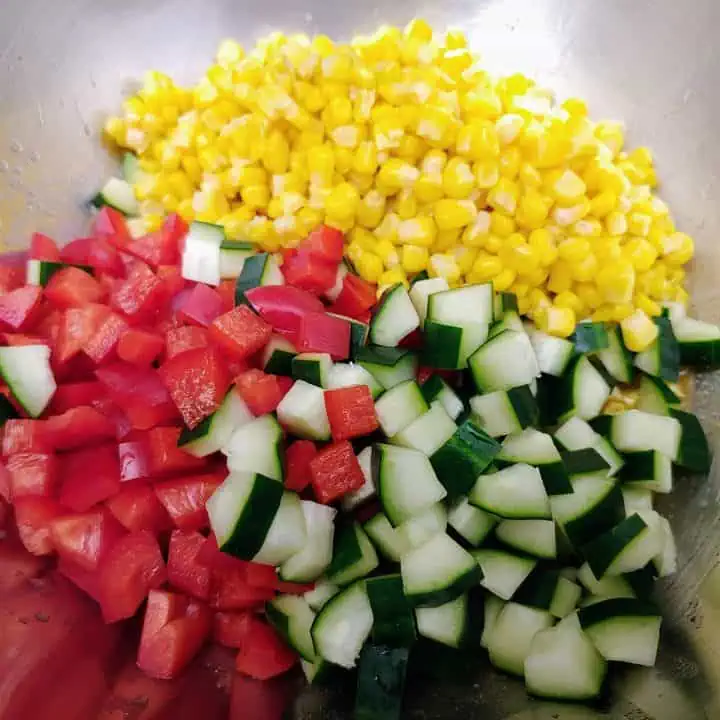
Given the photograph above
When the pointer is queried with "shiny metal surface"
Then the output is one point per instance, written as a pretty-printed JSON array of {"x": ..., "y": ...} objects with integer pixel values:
[{"x": 652, "y": 63}]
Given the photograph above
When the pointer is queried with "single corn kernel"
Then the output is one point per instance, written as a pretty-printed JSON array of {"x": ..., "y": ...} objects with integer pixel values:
[
  {"x": 455, "y": 39},
  {"x": 509, "y": 127},
  {"x": 529, "y": 176},
  {"x": 532, "y": 210},
  {"x": 393, "y": 276},
  {"x": 542, "y": 240},
  {"x": 405, "y": 204},
  {"x": 504, "y": 196},
  {"x": 453, "y": 214},
  {"x": 256, "y": 196},
  {"x": 648, "y": 306},
  {"x": 641, "y": 253},
  {"x": 521, "y": 258},
  {"x": 574, "y": 249},
  {"x": 419, "y": 230},
  {"x": 429, "y": 187},
  {"x": 501, "y": 225},
  {"x": 602, "y": 204},
  {"x": 561, "y": 277},
  {"x": 584, "y": 270},
  {"x": 568, "y": 188},
  {"x": 638, "y": 331},
  {"x": 493, "y": 243},
  {"x": 678, "y": 249},
  {"x": 371, "y": 209},
  {"x": 538, "y": 300},
  {"x": 537, "y": 277},
  {"x": 388, "y": 228},
  {"x": 387, "y": 252},
  {"x": 444, "y": 266},
  {"x": 476, "y": 234},
  {"x": 414, "y": 258},
  {"x": 616, "y": 281},
  {"x": 639, "y": 224},
  {"x": 478, "y": 140},
  {"x": 457, "y": 179},
  {"x": 446, "y": 240},
  {"x": 321, "y": 164},
  {"x": 616, "y": 223},
  {"x": 419, "y": 29},
  {"x": 568, "y": 299},
  {"x": 396, "y": 174},
  {"x": 589, "y": 295},
  {"x": 308, "y": 219},
  {"x": 365, "y": 158},
  {"x": 369, "y": 267},
  {"x": 503, "y": 280},
  {"x": 465, "y": 258},
  {"x": 559, "y": 321},
  {"x": 487, "y": 173},
  {"x": 510, "y": 162}
]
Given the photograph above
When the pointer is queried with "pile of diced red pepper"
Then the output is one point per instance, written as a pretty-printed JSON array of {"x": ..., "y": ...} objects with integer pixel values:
[{"x": 139, "y": 353}]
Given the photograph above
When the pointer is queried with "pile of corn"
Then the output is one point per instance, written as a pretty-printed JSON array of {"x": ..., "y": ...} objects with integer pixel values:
[{"x": 427, "y": 162}]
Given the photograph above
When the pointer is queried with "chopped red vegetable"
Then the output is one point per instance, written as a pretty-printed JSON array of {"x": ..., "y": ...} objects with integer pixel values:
[
  {"x": 310, "y": 273},
  {"x": 102, "y": 346},
  {"x": 325, "y": 243},
  {"x": 73, "y": 287},
  {"x": 21, "y": 435},
  {"x": 43, "y": 247},
  {"x": 18, "y": 308},
  {"x": 324, "y": 333},
  {"x": 355, "y": 299},
  {"x": 140, "y": 347},
  {"x": 179, "y": 340},
  {"x": 240, "y": 332},
  {"x": 33, "y": 516},
  {"x": 263, "y": 654},
  {"x": 166, "y": 458},
  {"x": 200, "y": 306},
  {"x": 134, "y": 457},
  {"x": 351, "y": 412},
  {"x": 32, "y": 474},
  {"x": 77, "y": 427},
  {"x": 77, "y": 327},
  {"x": 136, "y": 507},
  {"x": 109, "y": 224},
  {"x": 298, "y": 457},
  {"x": 230, "y": 589},
  {"x": 283, "y": 305},
  {"x": 89, "y": 476},
  {"x": 140, "y": 294},
  {"x": 261, "y": 392},
  {"x": 230, "y": 628},
  {"x": 335, "y": 472},
  {"x": 185, "y": 498},
  {"x": 184, "y": 571}
]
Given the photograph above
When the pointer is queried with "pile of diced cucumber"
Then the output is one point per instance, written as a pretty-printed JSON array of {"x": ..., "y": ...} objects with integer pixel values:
[{"x": 512, "y": 514}]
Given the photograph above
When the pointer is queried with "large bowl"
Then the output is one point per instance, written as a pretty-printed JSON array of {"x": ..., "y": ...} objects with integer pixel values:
[{"x": 65, "y": 65}]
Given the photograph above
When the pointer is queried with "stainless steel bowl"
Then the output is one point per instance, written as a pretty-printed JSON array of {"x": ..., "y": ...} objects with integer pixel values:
[{"x": 653, "y": 63}]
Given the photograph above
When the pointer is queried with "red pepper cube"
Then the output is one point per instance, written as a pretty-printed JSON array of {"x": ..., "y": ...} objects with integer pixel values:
[
  {"x": 201, "y": 306},
  {"x": 33, "y": 516},
  {"x": 231, "y": 590},
  {"x": 182, "y": 339},
  {"x": 356, "y": 297},
  {"x": 325, "y": 243},
  {"x": 184, "y": 571},
  {"x": 89, "y": 476},
  {"x": 226, "y": 291},
  {"x": 310, "y": 273},
  {"x": 43, "y": 247},
  {"x": 283, "y": 305},
  {"x": 140, "y": 294},
  {"x": 197, "y": 382},
  {"x": 77, "y": 427},
  {"x": 156, "y": 248},
  {"x": 134, "y": 456},
  {"x": 102, "y": 346},
  {"x": 131, "y": 569},
  {"x": 335, "y": 472},
  {"x": 85, "y": 538},
  {"x": 32, "y": 474},
  {"x": 110, "y": 225},
  {"x": 172, "y": 279},
  {"x": 136, "y": 508},
  {"x": 185, "y": 499},
  {"x": 139, "y": 347},
  {"x": 166, "y": 458},
  {"x": 320, "y": 332},
  {"x": 230, "y": 628},
  {"x": 19, "y": 307},
  {"x": 263, "y": 654},
  {"x": 73, "y": 287},
  {"x": 104, "y": 258},
  {"x": 174, "y": 629},
  {"x": 21, "y": 435},
  {"x": 261, "y": 392},
  {"x": 77, "y": 327},
  {"x": 87, "y": 580},
  {"x": 73, "y": 395},
  {"x": 240, "y": 332},
  {"x": 297, "y": 464},
  {"x": 351, "y": 412}
]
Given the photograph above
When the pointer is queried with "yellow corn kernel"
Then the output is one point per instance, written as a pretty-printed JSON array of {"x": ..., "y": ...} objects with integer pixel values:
[
  {"x": 509, "y": 127},
  {"x": 418, "y": 29},
  {"x": 638, "y": 331},
  {"x": 411, "y": 148},
  {"x": 616, "y": 223},
  {"x": 321, "y": 164},
  {"x": 544, "y": 243},
  {"x": 584, "y": 270},
  {"x": 616, "y": 281},
  {"x": 369, "y": 266},
  {"x": 603, "y": 204},
  {"x": 387, "y": 252},
  {"x": 308, "y": 219},
  {"x": 538, "y": 300},
  {"x": 453, "y": 214},
  {"x": 465, "y": 258},
  {"x": 611, "y": 134},
  {"x": 565, "y": 216},
  {"x": 487, "y": 173},
  {"x": 370, "y": 209},
  {"x": 529, "y": 176},
  {"x": 185, "y": 210},
  {"x": 393, "y": 276},
  {"x": 574, "y": 249},
  {"x": 365, "y": 159},
  {"x": 504, "y": 196},
  {"x": 532, "y": 210},
  {"x": 522, "y": 258},
  {"x": 455, "y": 39},
  {"x": 681, "y": 296},
  {"x": 501, "y": 225},
  {"x": 414, "y": 258},
  {"x": 342, "y": 224},
  {"x": 478, "y": 140},
  {"x": 476, "y": 234},
  {"x": 568, "y": 188},
  {"x": 588, "y": 294},
  {"x": 419, "y": 230},
  {"x": 436, "y": 126},
  {"x": 429, "y": 187},
  {"x": 648, "y": 306},
  {"x": 338, "y": 111},
  {"x": 559, "y": 321},
  {"x": 568, "y": 299},
  {"x": 482, "y": 102},
  {"x": 493, "y": 243},
  {"x": 457, "y": 179},
  {"x": 678, "y": 249},
  {"x": 446, "y": 240},
  {"x": 256, "y": 196},
  {"x": 639, "y": 224},
  {"x": 640, "y": 253},
  {"x": 405, "y": 204},
  {"x": 342, "y": 202},
  {"x": 444, "y": 266},
  {"x": 396, "y": 174},
  {"x": 503, "y": 280},
  {"x": 561, "y": 277},
  {"x": 538, "y": 277},
  {"x": 362, "y": 182},
  {"x": 510, "y": 162},
  {"x": 354, "y": 252}
]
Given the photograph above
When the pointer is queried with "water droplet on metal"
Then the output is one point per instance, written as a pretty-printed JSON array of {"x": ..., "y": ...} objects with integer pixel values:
[
  {"x": 15, "y": 146},
  {"x": 34, "y": 157}
]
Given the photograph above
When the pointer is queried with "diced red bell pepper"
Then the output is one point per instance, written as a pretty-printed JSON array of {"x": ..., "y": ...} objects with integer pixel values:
[
  {"x": 351, "y": 412},
  {"x": 85, "y": 538},
  {"x": 184, "y": 571},
  {"x": 230, "y": 590},
  {"x": 413, "y": 341},
  {"x": 140, "y": 294},
  {"x": 172, "y": 279},
  {"x": 102, "y": 345},
  {"x": 73, "y": 287},
  {"x": 4, "y": 483},
  {"x": 156, "y": 248},
  {"x": 123, "y": 426},
  {"x": 335, "y": 472},
  {"x": 12, "y": 270},
  {"x": 200, "y": 306},
  {"x": 73, "y": 395},
  {"x": 291, "y": 588},
  {"x": 134, "y": 456},
  {"x": 77, "y": 427},
  {"x": 324, "y": 243},
  {"x": 176, "y": 229},
  {"x": 298, "y": 457},
  {"x": 32, "y": 474},
  {"x": 77, "y": 252},
  {"x": 261, "y": 576},
  {"x": 77, "y": 328},
  {"x": 89, "y": 476},
  {"x": 19, "y": 308},
  {"x": 197, "y": 382},
  {"x": 131, "y": 569},
  {"x": 261, "y": 392},
  {"x": 136, "y": 508},
  {"x": 110, "y": 225},
  {"x": 185, "y": 498},
  {"x": 23, "y": 436},
  {"x": 166, "y": 458},
  {"x": 283, "y": 305},
  {"x": 33, "y": 516},
  {"x": 320, "y": 332},
  {"x": 310, "y": 273},
  {"x": 98, "y": 254},
  {"x": 174, "y": 630},
  {"x": 181, "y": 339},
  {"x": 48, "y": 326},
  {"x": 263, "y": 654},
  {"x": 87, "y": 580},
  {"x": 230, "y": 628},
  {"x": 43, "y": 247},
  {"x": 356, "y": 297},
  {"x": 211, "y": 556},
  {"x": 240, "y": 332},
  {"x": 226, "y": 291},
  {"x": 139, "y": 392},
  {"x": 140, "y": 347},
  {"x": 18, "y": 340}
]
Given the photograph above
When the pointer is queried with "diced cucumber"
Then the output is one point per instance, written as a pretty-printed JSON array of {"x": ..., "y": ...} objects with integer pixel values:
[
  {"x": 448, "y": 347},
  {"x": 417, "y": 530},
  {"x": 553, "y": 353},
  {"x": 635, "y": 430},
  {"x": 26, "y": 371},
  {"x": 563, "y": 664},
  {"x": 406, "y": 482},
  {"x": 381, "y": 682},
  {"x": 319, "y": 596},
  {"x": 636, "y": 499},
  {"x": 505, "y": 302},
  {"x": 512, "y": 636},
  {"x": 582, "y": 391},
  {"x": 510, "y": 321},
  {"x": 233, "y": 256},
  {"x": 609, "y": 586},
  {"x": 437, "y": 572},
  {"x": 463, "y": 457},
  {"x": 353, "y": 556},
  {"x": 393, "y": 618},
  {"x": 349, "y": 374},
  {"x": 647, "y": 469},
  {"x": 287, "y": 534},
  {"x": 514, "y": 492},
  {"x": 491, "y": 612},
  {"x": 503, "y": 572},
  {"x": 257, "y": 446},
  {"x": 367, "y": 491},
  {"x": 590, "y": 337},
  {"x": 201, "y": 254},
  {"x": 343, "y": 625},
  {"x": 616, "y": 358},
  {"x": 293, "y": 618},
  {"x": 505, "y": 411},
  {"x": 213, "y": 433},
  {"x": 130, "y": 165},
  {"x": 314, "y": 558},
  {"x": 694, "y": 451},
  {"x": 623, "y": 630},
  {"x": 698, "y": 342},
  {"x": 662, "y": 358},
  {"x": 535, "y": 537},
  {"x": 506, "y": 361},
  {"x": 313, "y": 368},
  {"x": 471, "y": 523},
  {"x": 118, "y": 194},
  {"x": 666, "y": 561},
  {"x": 359, "y": 332},
  {"x": 278, "y": 355},
  {"x": 655, "y": 396},
  {"x": 463, "y": 305},
  {"x": 400, "y": 406},
  {"x": 585, "y": 462},
  {"x": 566, "y": 598},
  {"x": 421, "y": 291},
  {"x": 394, "y": 318},
  {"x": 386, "y": 538},
  {"x": 429, "y": 432},
  {"x": 302, "y": 411},
  {"x": 258, "y": 270},
  {"x": 436, "y": 389},
  {"x": 389, "y": 366},
  {"x": 446, "y": 624},
  {"x": 576, "y": 434}
]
